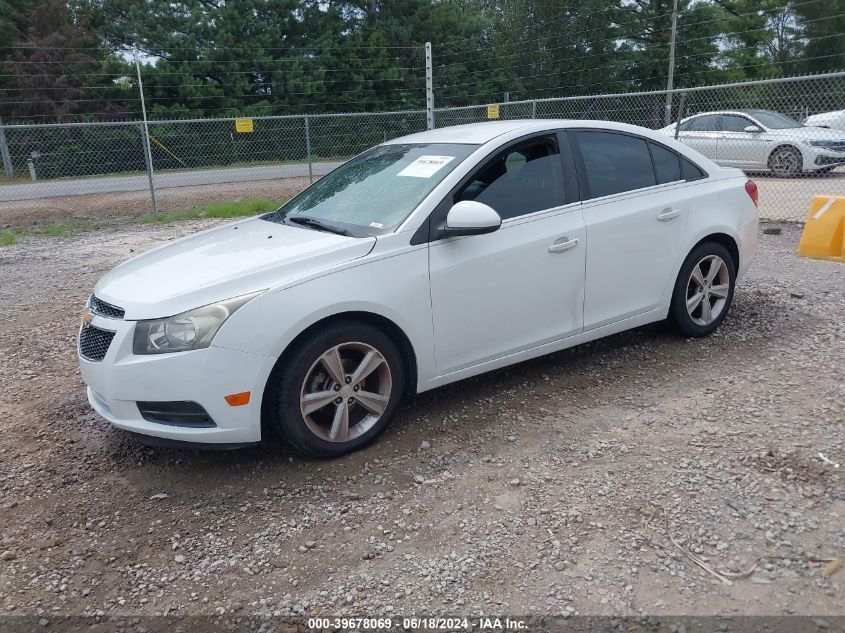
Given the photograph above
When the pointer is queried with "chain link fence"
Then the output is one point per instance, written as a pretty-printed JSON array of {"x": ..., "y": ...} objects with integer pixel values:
[
  {"x": 755, "y": 126},
  {"x": 100, "y": 168}
]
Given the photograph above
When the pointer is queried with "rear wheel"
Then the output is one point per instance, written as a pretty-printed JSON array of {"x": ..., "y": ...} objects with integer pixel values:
[
  {"x": 337, "y": 389},
  {"x": 786, "y": 162},
  {"x": 704, "y": 290}
]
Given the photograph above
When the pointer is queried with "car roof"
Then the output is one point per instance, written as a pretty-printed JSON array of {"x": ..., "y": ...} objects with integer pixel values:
[
  {"x": 484, "y": 132},
  {"x": 472, "y": 133},
  {"x": 717, "y": 112}
]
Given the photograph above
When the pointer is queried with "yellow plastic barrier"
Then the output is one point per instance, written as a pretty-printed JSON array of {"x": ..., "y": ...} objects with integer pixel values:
[{"x": 824, "y": 230}]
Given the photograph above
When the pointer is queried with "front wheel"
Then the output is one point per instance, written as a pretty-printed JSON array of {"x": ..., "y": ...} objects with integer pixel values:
[
  {"x": 704, "y": 290},
  {"x": 786, "y": 162},
  {"x": 337, "y": 389}
]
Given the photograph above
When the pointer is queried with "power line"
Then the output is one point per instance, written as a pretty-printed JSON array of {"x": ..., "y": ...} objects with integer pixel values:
[
  {"x": 492, "y": 45},
  {"x": 616, "y": 38},
  {"x": 257, "y": 62},
  {"x": 226, "y": 48},
  {"x": 214, "y": 85},
  {"x": 759, "y": 12},
  {"x": 624, "y": 63},
  {"x": 657, "y": 78},
  {"x": 545, "y": 24}
]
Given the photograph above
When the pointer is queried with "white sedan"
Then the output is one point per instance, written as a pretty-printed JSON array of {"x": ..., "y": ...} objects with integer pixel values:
[
  {"x": 422, "y": 261},
  {"x": 762, "y": 140},
  {"x": 831, "y": 120}
]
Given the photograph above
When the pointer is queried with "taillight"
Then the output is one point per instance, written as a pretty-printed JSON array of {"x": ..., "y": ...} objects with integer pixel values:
[{"x": 751, "y": 190}]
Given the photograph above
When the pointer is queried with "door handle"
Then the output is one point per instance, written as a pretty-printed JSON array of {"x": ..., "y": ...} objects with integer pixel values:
[
  {"x": 563, "y": 244},
  {"x": 668, "y": 214}
]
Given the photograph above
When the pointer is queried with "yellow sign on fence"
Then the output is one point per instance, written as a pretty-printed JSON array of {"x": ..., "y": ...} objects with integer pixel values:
[
  {"x": 493, "y": 111},
  {"x": 243, "y": 125}
]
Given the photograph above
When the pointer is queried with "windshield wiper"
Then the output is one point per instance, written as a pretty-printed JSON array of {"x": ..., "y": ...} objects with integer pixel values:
[{"x": 317, "y": 224}]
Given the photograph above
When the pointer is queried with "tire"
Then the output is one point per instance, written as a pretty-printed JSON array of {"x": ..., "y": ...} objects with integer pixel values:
[
  {"x": 697, "y": 321},
  {"x": 786, "y": 162},
  {"x": 306, "y": 398}
]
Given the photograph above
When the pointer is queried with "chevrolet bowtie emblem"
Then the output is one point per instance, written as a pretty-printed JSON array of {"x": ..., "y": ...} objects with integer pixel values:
[{"x": 87, "y": 317}]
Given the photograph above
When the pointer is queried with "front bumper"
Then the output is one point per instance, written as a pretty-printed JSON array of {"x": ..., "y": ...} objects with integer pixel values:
[
  {"x": 820, "y": 157},
  {"x": 121, "y": 379}
]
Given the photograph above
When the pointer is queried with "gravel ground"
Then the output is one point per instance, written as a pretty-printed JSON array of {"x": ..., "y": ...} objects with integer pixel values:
[{"x": 583, "y": 482}]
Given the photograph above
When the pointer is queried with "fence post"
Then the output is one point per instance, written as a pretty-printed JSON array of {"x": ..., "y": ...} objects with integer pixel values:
[
  {"x": 145, "y": 136},
  {"x": 8, "y": 168},
  {"x": 429, "y": 89},
  {"x": 534, "y": 109},
  {"x": 671, "y": 74},
  {"x": 308, "y": 150},
  {"x": 680, "y": 113}
]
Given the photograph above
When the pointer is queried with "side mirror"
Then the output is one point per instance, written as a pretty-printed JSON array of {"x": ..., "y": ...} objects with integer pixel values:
[
  {"x": 753, "y": 129},
  {"x": 471, "y": 218}
]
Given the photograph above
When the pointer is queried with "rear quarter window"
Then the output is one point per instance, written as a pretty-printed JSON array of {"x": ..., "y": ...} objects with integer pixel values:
[
  {"x": 690, "y": 170},
  {"x": 667, "y": 164}
]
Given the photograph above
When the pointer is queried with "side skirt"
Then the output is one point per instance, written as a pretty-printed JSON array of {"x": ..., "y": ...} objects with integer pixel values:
[{"x": 547, "y": 348}]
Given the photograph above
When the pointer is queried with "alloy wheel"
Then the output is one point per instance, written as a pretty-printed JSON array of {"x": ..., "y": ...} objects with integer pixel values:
[
  {"x": 786, "y": 162},
  {"x": 708, "y": 288},
  {"x": 345, "y": 392}
]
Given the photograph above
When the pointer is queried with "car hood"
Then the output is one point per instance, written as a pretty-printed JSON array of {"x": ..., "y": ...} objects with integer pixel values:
[
  {"x": 221, "y": 263},
  {"x": 809, "y": 133}
]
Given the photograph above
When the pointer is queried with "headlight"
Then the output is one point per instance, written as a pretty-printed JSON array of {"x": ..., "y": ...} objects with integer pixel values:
[
  {"x": 822, "y": 144},
  {"x": 193, "y": 329}
]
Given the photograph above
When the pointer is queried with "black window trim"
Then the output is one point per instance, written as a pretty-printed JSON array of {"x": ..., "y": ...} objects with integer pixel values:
[
  {"x": 581, "y": 167},
  {"x": 431, "y": 228}
]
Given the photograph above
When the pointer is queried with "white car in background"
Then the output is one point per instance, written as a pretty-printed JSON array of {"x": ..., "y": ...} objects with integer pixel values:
[
  {"x": 422, "y": 261},
  {"x": 832, "y": 120},
  {"x": 761, "y": 140}
]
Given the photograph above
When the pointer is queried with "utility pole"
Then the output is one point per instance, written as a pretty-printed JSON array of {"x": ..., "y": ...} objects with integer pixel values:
[
  {"x": 429, "y": 90},
  {"x": 148, "y": 155},
  {"x": 4, "y": 153},
  {"x": 670, "y": 77}
]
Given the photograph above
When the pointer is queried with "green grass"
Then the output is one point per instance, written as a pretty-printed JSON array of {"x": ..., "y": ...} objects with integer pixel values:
[
  {"x": 63, "y": 228},
  {"x": 223, "y": 210},
  {"x": 71, "y": 226}
]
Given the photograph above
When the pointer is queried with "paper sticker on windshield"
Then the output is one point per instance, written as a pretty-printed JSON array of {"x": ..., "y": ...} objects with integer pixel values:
[{"x": 425, "y": 166}]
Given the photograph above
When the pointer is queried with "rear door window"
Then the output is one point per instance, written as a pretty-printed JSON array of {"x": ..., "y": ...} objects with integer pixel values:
[{"x": 614, "y": 162}]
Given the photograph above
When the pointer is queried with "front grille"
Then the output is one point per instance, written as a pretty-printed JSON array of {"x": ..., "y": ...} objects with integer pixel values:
[
  {"x": 103, "y": 309},
  {"x": 94, "y": 342}
]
